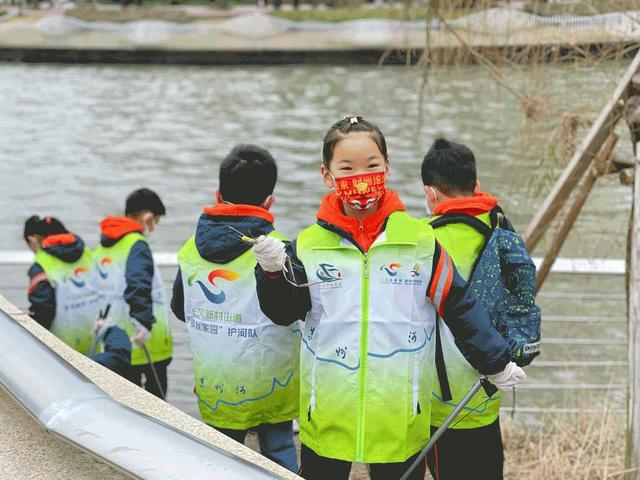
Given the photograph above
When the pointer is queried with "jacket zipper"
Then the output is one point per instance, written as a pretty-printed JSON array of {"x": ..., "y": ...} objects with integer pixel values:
[{"x": 364, "y": 318}]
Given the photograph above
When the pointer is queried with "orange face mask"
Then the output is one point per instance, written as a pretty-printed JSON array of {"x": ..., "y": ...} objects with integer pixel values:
[{"x": 361, "y": 191}]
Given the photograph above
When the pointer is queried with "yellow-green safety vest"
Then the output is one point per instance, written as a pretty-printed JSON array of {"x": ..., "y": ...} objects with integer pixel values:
[
  {"x": 245, "y": 366},
  {"x": 110, "y": 282},
  {"x": 464, "y": 244},
  {"x": 367, "y": 353},
  {"x": 76, "y": 299}
]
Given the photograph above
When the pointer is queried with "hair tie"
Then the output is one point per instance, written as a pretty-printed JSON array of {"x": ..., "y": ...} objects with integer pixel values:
[{"x": 353, "y": 119}]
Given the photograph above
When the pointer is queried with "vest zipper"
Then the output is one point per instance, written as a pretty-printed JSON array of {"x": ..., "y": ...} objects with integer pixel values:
[{"x": 364, "y": 321}]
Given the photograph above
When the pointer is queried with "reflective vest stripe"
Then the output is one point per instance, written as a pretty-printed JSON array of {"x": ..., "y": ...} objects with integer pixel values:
[{"x": 441, "y": 282}]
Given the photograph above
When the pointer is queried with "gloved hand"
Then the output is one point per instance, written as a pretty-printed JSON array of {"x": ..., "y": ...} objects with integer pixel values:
[
  {"x": 508, "y": 378},
  {"x": 269, "y": 253},
  {"x": 142, "y": 334}
]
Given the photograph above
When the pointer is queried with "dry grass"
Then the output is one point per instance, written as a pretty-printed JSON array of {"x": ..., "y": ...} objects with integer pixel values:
[
  {"x": 580, "y": 446},
  {"x": 573, "y": 446}
]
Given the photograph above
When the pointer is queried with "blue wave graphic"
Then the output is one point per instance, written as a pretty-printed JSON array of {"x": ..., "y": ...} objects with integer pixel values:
[
  {"x": 428, "y": 338},
  {"x": 330, "y": 360},
  {"x": 245, "y": 400},
  {"x": 216, "y": 298},
  {"x": 480, "y": 409}
]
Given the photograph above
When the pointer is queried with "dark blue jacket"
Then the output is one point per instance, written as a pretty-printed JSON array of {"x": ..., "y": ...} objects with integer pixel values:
[
  {"x": 483, "y": 347},
  {"x": 217, "y": 243},
  {"x": 139, "y": 277},
  {"x": 41, "y": 294},
  {"x": 117, "y": 351}
]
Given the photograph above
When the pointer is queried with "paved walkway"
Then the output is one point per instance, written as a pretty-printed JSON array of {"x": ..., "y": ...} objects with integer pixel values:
[{"x": 251, "y": 29}]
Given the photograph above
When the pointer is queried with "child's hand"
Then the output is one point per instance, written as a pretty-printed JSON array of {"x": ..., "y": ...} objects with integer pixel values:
[
  {"x": 142, "y": 335},
  {"x": 508, "y": 378},
  {"x": 98, "y": 325},
  {"x": 269, "y": 253}
]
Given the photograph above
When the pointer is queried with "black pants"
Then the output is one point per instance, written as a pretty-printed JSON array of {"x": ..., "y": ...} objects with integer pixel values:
[
  {"x": 136, "y": 374},
  {"x": 468, "y": 453},
  {"x": 315, "y": 467}
]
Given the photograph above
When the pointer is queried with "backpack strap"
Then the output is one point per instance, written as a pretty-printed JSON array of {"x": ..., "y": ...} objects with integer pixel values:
[
  {"x": 441, "y": 369},
  {"x": 499, "y": 219},
  {"x": 443, "y": 378},
  {"x": 467, "y": 219}
]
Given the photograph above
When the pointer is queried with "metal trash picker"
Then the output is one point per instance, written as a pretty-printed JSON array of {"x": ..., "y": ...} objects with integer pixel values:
[
  {"x": 102, "y": 315},
  {"x": 483, "y": 382},
  {"x": 138, "y": 326}
]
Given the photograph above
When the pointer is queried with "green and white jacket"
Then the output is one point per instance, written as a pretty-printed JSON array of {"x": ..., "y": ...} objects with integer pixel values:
[{"x": 366, "y": 363}]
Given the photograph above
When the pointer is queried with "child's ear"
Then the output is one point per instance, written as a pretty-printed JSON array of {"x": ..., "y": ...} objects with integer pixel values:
[
  {"x": 147, "y": 221},
  {"x": 327, "y": 178},
  {"x": 477, "y": 188},
  {"x": 431, "y": 194},
  {"x": 219, "y": 196},
  {"x": 34, "y": 242},
  {"x": 268, "y": 203}
]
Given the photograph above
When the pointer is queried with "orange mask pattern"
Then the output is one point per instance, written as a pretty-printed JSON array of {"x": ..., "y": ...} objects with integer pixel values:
[{"x": 361, "y": 191}]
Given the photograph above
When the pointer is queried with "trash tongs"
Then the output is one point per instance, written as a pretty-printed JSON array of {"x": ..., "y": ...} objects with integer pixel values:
[{"x": 102, "y": 315}]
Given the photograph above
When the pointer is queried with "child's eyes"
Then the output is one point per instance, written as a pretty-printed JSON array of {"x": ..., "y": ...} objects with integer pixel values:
[
  {"x": 374, "y": 165},
  {"x": 345, "y": 168}
]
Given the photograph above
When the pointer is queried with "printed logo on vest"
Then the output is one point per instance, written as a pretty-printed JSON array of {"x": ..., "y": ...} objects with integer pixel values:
[
  {"x": 396, "y": 274},
  {"x": 329, "y": 275},
  {"x": 213, "y": 296},
  {"x": 76, "y": 279},
  {"x": 103, "y": 266}
]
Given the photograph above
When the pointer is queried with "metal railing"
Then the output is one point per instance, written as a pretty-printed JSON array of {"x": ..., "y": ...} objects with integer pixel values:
[
  {"x": 552, "y": 372},
  {"x": 67, "y": 404}
]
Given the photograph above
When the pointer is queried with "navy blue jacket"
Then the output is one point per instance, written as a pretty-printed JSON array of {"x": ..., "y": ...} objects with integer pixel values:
[
  {"x": 483, "y": 347},
  {"x": 41, "y": 294},
  {"x": 217, "y": 243},
  {"x": 117, "y": 351},
  {"x": 139, "y": 277}
]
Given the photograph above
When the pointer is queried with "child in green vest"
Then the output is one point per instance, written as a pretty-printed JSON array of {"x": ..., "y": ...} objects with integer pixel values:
[
  {"x": 60, "y": 294},
  {"x": 369, "y": 282},
  {"x": 451, "y": 187},
  {"x": 245, "y": 367},
  {"x": 131, "y": 290}
]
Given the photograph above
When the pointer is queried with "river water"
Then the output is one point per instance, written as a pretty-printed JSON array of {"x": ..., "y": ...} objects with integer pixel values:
[{"x": 75, "y": 140}]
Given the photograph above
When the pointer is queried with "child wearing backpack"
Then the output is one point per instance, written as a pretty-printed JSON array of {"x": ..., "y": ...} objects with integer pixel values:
[
  {"x": 369, "y": 281},
  {"x": 469, "y": 225},
  {"x": 245, "y": 367}
]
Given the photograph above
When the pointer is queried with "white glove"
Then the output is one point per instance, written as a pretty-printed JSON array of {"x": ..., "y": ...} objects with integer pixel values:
[
  {"x": 269, "y": 253},
  {"x": 142, "y": 334},
  {"x": 508, "y": 378}
]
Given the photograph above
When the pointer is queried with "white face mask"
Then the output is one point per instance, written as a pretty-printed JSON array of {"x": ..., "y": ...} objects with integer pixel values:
[
  {"x": 426, "y": 202},
  {"x": 427, "y": 208}
]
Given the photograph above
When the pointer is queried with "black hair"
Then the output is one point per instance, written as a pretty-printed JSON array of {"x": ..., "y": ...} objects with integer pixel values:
[
  {"x": 350, "y": 124},
  {"x": 144, "y": 199},
  {"x": 43, "y": 226},
  {"x": 450, "y": 167},
  {"x": 248, "y": 175}
]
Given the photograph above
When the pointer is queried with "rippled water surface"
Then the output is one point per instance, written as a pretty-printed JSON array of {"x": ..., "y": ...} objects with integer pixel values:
[{"x": 75, "y": 140}]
